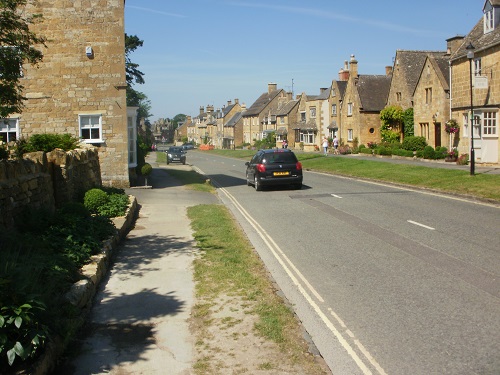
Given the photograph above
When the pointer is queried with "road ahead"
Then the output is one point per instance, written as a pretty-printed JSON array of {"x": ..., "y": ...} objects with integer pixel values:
[{"x": 386, "y": 280}]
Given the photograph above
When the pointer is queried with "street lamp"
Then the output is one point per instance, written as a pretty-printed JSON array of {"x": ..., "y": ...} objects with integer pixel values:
[{"x": 470, "y": 56}]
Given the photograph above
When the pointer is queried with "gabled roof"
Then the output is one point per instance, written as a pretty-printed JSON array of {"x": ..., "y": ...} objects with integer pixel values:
[
  {"x": 411, "y": 63},
  {"x": 234, "y": 120},
  {"x": 373, "y": 91},
  {"x": 287, "y": 108},
  {"x": 261, "y": 103},
  {"x": 342, "y": 85},
  {"x": 227, "y": 109},
  {"x": 479, "y": 40}
]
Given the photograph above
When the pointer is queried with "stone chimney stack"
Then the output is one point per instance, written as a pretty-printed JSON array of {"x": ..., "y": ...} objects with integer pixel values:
[
  {"x": 229, "y": 103},
  {"x": 353, "y": 67},
  {"x": 210, "y": 108},
  {"x": 236, "y": 101},
  {"x": 289, "y": 95},
  {"x": 344, "y": 72},
  {"x": 243, "y": 107},
  {"x": 388, "y": 70},
  {"x": 452, "y": 44},
  {"x": 202, "y": 110},
  {"x": 271, "y": 87}
]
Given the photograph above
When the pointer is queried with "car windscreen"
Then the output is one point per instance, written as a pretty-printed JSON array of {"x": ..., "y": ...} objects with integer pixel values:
[{"x": 174, "y": 149}]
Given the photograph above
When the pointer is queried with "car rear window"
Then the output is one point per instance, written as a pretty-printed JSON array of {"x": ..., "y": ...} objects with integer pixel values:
[{"x": 279, "y": 157}]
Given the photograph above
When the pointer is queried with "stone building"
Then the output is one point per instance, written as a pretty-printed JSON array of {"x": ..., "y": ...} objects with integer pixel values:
[
  {"x": 484, "y": 66},
  {"x": 432, "y": 101},
  {"x": 80, "y": 86},
  {"x": 365, "y": 96},
  {"x": 337, "y": 91}
]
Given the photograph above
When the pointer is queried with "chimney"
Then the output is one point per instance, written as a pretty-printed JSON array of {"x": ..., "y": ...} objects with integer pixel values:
[
  {"x": 353, "y": 67},
  {"x": 210, "y": 108},
  {"x": 228, "y": 103},
  {"x": 188, "y": 118},
  {"x": 388, "y": 70},
  {"x": 236, "y": 101},
  {"x": 452, "y": 44},
  {"x": 202, "y": 110},
  {"x": 344, "y": 72},
  {"x": 271, "y": 87},
  {"x": 289, "y": 95},
  {"x": 243, "y": 107}
]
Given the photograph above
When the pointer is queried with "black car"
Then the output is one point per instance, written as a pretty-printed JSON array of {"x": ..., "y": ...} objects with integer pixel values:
[
  {"x": 176, "y": 154},
  {"x": 274, "y": 167}
]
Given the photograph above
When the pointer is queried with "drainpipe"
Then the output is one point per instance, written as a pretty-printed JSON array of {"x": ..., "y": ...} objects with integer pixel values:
[{"x": 451, "y": 91}]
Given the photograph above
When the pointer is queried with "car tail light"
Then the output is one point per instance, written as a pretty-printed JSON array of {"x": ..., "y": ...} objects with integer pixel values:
[
  {"x": 261, "y": 168},
  {"x": 298, "y": 165}
]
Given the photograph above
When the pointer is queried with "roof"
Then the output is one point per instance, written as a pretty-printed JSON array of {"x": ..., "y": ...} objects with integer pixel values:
[
  {"x": 373, "y": 91},
  {"x": 227, "y": 109},
  {"x": 287, "y": 108},
  {"x": 479, "y": 40},
  {"x": 412, "y": 63},
  {"x": 234, "y": 120},
  {"x": 342, "y": 85},
  {"x": 258, "y": 106},
  {"x": 310, "y": 125}
]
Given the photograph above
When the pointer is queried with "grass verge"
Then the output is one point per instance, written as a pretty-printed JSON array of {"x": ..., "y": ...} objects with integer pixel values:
[{"x": 229, "y": 267}]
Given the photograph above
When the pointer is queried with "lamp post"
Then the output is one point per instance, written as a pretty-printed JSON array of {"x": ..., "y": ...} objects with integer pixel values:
[{"x": 470, "y": 56}]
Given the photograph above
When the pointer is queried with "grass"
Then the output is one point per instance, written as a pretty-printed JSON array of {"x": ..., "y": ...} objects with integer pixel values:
[
  {"x": 484, "y": 186},
  {"x": 230, "y": 267}
]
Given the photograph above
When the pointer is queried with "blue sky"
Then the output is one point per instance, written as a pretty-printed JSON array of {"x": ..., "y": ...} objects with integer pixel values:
[{"x": 200, "y": 52}]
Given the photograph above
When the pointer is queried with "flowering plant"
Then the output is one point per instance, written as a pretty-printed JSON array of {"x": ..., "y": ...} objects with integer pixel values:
[
  {"x": 451, "y": 126},
  {"x": 453, "y": 153}
]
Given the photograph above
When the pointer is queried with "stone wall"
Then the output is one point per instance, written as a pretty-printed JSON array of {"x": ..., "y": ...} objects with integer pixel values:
[{"x": 46, "y": 180}]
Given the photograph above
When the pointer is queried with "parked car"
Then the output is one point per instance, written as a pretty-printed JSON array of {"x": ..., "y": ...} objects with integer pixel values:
[
  {"x": 176, "y": 154},
  {"x": 274, "y": 167},
  {"x": 187, "y": 146}
]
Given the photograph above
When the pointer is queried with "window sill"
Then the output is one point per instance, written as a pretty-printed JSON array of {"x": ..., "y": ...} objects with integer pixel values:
[{"x": 93, "y": 141}]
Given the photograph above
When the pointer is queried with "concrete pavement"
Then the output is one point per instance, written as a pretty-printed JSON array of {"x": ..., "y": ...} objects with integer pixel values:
[{"x": 139, "y": 320}]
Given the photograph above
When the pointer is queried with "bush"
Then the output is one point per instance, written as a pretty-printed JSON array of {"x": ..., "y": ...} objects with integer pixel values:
[
  {"x": 46, "y": 142},
  {"x": 441, "y": 152},
  {"x": 4, "y": 153},
  {"x": 414, "y": 143},
  {"x": 463, "y": 159},
  {"x": 365, "y": 150},
  {"x": 383, "y": 151},
  {"x": 401, "y": 152},
  {"x": 429, "y": 152},
  {"x": 99, "y": 202},
  {"x": 95, "y": 198},
  {"x": 146, "y": 169}
]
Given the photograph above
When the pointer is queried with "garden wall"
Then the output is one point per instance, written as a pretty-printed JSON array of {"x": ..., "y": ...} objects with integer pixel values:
[{"x": 46, "y": 180}]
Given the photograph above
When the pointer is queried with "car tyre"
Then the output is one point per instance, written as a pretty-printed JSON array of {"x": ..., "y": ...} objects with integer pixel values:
[
  {"x": 257, "y": 184},
  {"x": 248, "y": 182}
]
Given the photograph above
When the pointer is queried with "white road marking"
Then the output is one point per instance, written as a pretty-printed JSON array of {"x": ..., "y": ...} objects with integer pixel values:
[
  {"x": 421, "y": 225},
  {"x": 281, "y": 258},
  {"x": 336, "y": 196}
]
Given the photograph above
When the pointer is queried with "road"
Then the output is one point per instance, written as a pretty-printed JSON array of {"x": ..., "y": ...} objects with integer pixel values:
[{"x": 386, "y": 280}]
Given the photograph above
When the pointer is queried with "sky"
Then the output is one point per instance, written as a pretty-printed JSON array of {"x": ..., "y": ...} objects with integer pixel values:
[{"x": 207, "y": 52}]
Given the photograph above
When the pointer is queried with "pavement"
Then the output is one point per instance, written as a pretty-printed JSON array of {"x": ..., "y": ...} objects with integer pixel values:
[{"x": 139, "y": 322}]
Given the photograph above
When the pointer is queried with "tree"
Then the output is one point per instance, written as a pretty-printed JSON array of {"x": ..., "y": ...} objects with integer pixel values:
[
  {"x": 178, "y": 119},
  {"x": 392, "y": 118},
  {"x": 16, "y": 47},
  {"x": 133, "y": 74}
]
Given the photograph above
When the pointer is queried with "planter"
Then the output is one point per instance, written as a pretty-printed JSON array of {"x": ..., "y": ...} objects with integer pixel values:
[{"x": 450, "y": 159}]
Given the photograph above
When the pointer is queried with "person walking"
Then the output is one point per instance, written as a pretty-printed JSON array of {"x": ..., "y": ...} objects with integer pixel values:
[
  {"x": 325, "y": 146},
  {"x": 335, "y": 145}
]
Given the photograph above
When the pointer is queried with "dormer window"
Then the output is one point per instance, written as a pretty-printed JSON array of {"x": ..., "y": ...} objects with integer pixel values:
[{"x": 489, "y": 17}]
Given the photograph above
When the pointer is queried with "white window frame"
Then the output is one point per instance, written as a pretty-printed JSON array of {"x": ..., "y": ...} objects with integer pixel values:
[
  {"x": 466, "y": 124},
  {"x": 477, "y": 67},
  {"x": 489, "y": 21},
  {"x": 349, "y": 109},
  {"x": 7, "y": 127},
  {"x": 489, "y": 124},
  {"x": 350, "y": 135},
  {"x": 334, "y": 109},
  {"x": 307, "y": 136},
  {"x": 312, "y": 112},
  {"x": 84, "y": 125}
]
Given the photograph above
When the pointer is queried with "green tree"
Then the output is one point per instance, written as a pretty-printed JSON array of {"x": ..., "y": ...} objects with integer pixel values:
[
  {"x": 392, "y": 119},
  {"x": 133, "y": 74},
  {"x": 408, "y": 123},
  {"x": 177, "y": 120},
  {"x": 16, "y": 47}
]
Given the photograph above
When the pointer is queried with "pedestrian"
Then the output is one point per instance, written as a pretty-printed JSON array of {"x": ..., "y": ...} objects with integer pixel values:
[
  {"x": 325, "y": 146},
  {"x": 284, "y": 144},
  {"x": 335, "y": 145}
]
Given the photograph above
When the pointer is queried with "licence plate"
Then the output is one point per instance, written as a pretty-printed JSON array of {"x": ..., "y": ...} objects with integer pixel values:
[{"x": 281, "y": 173}]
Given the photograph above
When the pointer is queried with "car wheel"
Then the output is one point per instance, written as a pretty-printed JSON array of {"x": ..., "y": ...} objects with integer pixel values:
[
  {"x": 248, "y": 182},
  {"x": 257, "y": 184}
]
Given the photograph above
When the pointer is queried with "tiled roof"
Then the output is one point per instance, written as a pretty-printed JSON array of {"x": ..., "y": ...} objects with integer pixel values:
[
  {"x": 287, "y": 108},
  {"x": 441, "y": 65},
  {"x": 234, "y": 120},
  {"x": 342, "y": 86},
  {"x": 373, "y": 91},
  {"x": 261, "y": 103},
  {"x": 325, "y": 94},
  {"x": 411, "y": 63},
  {"x": 479, "y": 40},
  {"x": 227, "y": 109},
  {"x": 310, "y": 125}
]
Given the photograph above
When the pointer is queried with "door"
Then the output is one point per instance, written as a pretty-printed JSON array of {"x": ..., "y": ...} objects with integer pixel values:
[{"x": 437, "y": 134}]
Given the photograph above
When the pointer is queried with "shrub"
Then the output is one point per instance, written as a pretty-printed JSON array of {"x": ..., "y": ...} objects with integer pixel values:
[
  {"x": 383, "y": 151},
  {"x": 95, "y": 198},
  {"x": 146, "y": 169},
  {"x": 47, "y": 143},
  {"x": 344, "y": 150},
  {"x": 414, "y": 143},
  {"x": 4, "y": 153},
  {"x": 429, "y": 152},
  {"x": 463, "y": 159},
  {"x": 441, "y": 152},
  {"x": 361, "y": 146},
  {"x": 365, "y": 150},
  {"x": 401, "y": 152},
  {"x": 116, "y": 206}
]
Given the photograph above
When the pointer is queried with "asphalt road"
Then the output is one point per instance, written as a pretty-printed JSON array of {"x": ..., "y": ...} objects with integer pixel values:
[{"x": 385, "y": 280}]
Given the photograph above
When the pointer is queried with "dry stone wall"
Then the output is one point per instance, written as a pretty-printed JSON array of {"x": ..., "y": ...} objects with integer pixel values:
[{"x": 46, "y": 180}]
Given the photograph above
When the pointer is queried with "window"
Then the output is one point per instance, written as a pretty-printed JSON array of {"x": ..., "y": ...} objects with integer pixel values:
[
  {"x": 424, "y": 130},
  {"x": 282, "y": 119},
  {"x": 334, "y": 109},
  {"x": 307, "y": 136},
  {"x": 488, "y": 21},
  {"x": 91, "y": 128},
  {"x": 9, "y": 129},
  {"x": 428, "y": 95},
  {"x": 302, "y": 116},
  {"x": 398, "y": 96},
  {"x": 312, "y": 112},
  {"x": 349, "y": 135},
  {"x": 349, "y": 109},
  {"x": 477, "y": 67},
  {"x": 132, "y": 136},
  {"x": 466, "y": 124},
  {"x": 489, "y": 123}
]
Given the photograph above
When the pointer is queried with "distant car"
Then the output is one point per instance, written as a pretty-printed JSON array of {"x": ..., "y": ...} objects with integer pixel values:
[
  {"x": 176, "y": 154},
  {"x": 187, "y": 146},
  {"x": 274, "y": 167}
]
